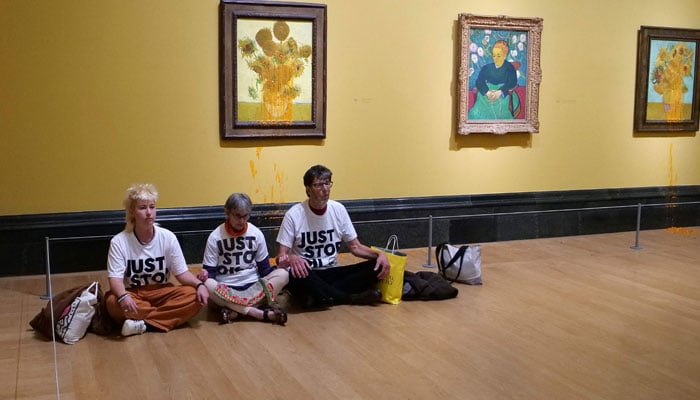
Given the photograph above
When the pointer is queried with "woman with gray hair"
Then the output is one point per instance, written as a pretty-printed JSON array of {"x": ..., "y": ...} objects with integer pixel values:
[{"x": 236, "y": 267}]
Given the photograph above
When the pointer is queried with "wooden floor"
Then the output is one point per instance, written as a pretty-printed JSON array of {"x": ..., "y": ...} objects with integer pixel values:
[{"x": 583, "y": 317}]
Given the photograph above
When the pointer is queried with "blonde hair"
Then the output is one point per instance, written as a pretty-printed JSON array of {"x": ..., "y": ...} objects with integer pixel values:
[{"x": 138, "y": 191}]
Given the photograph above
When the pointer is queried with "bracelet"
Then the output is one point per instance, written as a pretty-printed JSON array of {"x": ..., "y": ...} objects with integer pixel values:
[
  {"x": 122, "y": 297},
  {"x": 198, "y": 285}
]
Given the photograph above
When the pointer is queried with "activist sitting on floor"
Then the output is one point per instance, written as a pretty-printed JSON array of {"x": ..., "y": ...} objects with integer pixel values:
[
  {"x": 236, "y": 267},
  {"x": 309, "y": 241},
  {"x": 140, "y": 261}
]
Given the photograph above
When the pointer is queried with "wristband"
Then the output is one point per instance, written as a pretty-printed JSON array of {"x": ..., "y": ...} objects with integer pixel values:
[
  {"x": 122, "y": 297},
  {"x": 198, "y": 285}
]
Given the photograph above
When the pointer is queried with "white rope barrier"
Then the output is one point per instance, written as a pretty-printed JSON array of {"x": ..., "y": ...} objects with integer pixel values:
[
  {"x": 636, "y": 245},
  {"x": 429, "y": 218},
  {"x": 49, "y": 295}
]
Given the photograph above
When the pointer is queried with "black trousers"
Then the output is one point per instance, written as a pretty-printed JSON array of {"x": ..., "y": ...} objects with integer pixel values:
[{"x": 334, "y": 285}]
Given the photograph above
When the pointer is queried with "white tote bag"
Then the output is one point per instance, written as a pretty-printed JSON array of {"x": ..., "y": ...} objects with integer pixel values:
[
  {"x": 74, "y": 321},
  {"x": 459, "y": 264}
]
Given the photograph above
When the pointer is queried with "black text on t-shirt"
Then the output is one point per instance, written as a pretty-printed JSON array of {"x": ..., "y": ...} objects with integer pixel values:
[
  {"x": 315, "y": 245},
  {"x": 146, "y": 271},
  {"x": 237, "y": 251}
]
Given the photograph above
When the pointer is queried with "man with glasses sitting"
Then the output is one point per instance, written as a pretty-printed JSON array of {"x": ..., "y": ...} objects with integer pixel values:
[{"x": 309, "y": 241}]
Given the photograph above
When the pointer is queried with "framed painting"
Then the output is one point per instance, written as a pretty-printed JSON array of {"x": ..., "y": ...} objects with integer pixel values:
[
  {"x": 666, "y": 90},
  {"x": 272, "y": 67},
  {"x": 499, "y": 74}
]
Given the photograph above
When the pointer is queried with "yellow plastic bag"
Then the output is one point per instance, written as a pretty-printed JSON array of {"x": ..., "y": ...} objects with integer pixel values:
[{"x": 392, "y": 285}]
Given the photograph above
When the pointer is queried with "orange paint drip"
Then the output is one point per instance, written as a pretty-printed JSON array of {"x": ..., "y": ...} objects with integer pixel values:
[
  {"x": 683, "y": 231},
  {"x": 671, "y": 178},
  {"x": 253, "y": 171},
  {"x": 279, "y": 177},
  {"x": 258, "y": 151}
]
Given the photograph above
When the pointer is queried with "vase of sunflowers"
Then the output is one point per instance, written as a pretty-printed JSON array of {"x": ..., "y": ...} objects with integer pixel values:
[
  {"x": 673, "y": 63},
  {"x": 277, "y": 59}
]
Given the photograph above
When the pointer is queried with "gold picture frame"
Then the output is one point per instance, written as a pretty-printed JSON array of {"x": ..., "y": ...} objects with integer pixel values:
[
  {"x": 667, "y": 91},
  {"x": 499, "y": 74},
  {"x": 272, "y": 66}
]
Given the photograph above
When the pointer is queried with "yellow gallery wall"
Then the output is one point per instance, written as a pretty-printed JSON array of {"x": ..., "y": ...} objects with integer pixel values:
[{"x": 95, "y": 95}]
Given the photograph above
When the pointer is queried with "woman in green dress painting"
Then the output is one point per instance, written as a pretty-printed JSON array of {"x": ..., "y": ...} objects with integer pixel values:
[{"x": 495, "y": 97}]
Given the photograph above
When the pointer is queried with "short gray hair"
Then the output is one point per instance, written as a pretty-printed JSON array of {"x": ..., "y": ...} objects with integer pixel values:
[{"x": 238, "y": 201}]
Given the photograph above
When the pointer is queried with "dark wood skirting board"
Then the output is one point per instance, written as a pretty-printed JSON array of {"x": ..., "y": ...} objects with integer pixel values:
[{"x": 78, "y": 241}]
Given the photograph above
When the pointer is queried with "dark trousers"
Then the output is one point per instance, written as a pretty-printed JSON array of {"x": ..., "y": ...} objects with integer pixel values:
[{"x": 334, "y": 285}]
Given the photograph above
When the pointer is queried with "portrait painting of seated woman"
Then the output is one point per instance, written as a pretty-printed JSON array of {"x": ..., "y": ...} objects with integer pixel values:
[{"x": 497, "y": 75}]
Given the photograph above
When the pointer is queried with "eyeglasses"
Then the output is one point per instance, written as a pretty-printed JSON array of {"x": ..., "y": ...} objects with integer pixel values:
[{"x": 319, "y": 185}]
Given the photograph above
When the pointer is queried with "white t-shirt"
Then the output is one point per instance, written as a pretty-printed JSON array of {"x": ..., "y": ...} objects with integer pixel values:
[
  {"x": 145, "y": 264},
  {"x": 235, "y": 257},
  {"x": 317, "y": 238}
]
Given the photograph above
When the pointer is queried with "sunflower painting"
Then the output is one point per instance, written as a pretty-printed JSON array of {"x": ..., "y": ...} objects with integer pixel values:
[
  {"x": 274, "y": 70},
  {"x": 667, "y": 89},
  {"x": 670, "y": 94}
]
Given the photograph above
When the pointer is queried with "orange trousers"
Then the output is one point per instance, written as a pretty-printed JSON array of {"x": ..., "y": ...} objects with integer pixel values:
[{"x": 162, "y": 306}]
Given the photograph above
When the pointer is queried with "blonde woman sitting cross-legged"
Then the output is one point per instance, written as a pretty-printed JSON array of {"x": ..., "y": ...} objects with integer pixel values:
[{"x": 140, "y": 261}]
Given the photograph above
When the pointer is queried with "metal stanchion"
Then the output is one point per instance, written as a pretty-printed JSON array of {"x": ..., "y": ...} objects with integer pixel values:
[
  {"x": 430, "y": 264},
  {"x": 639, "y": 220},
  {"x": 48, "y": 294}
]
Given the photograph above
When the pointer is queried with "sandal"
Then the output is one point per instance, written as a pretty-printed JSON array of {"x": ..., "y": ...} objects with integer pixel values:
[
  {"x": 279, "y": 313},
  {"x": 227, "y": 315}
]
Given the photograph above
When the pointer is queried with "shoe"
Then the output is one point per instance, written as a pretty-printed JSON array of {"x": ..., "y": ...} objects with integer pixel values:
[
  {"x": 312, "y": 303},
  {"x": 227, "y": 315},
  {"x": 279, "y": 313},
  {"x": 133, "y": 327},
  {"x": 368, "y": 297}
]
